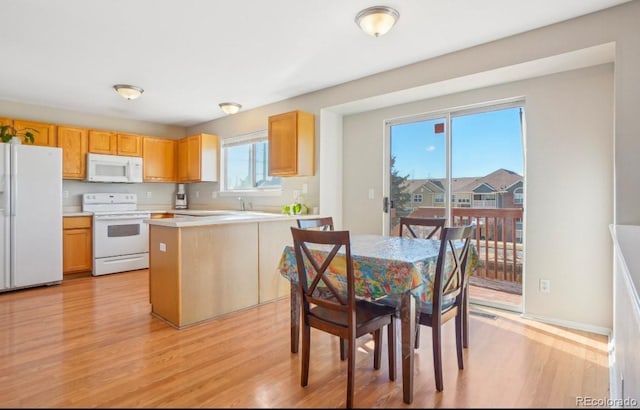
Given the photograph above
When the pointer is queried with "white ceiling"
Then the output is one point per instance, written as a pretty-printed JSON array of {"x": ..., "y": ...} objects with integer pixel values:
[{"x": 190, "y": 55}]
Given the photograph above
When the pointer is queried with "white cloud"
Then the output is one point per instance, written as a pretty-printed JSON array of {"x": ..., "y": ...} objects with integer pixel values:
[{"x": 430, "y": 148}]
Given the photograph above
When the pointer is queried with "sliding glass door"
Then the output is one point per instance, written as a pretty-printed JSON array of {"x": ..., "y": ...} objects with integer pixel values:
[{"x": 468, "y": 167}]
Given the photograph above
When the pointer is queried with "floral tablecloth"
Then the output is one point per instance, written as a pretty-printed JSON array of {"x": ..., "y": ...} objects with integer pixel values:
[{"x": 383, "y": 265}]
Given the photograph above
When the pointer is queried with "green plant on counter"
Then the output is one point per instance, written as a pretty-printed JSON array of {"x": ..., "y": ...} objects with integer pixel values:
[
  {"x": 295, "y": 209},
  {"x": 7, "y": 132}
]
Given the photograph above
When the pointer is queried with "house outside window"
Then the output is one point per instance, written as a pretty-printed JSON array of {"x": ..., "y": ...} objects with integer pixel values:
[
  {"x": 438, "y": 198},
  {"x": 245, "y": 164},
  {"x": 417, "y": 198}
]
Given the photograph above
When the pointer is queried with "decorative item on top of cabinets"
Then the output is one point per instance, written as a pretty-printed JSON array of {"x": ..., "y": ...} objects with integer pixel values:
[
  {"x": 198, "y": 158},
  {"x": 74, "y": 144},
  {"x": 43, "y": 133},
  {"x": 77, "y": 244},
  {"x": 9, "y": 133},
  {"x": 291, "y": 144},
  {"x": 111, "y": 143},
  {"x": 159, "y": 159}
]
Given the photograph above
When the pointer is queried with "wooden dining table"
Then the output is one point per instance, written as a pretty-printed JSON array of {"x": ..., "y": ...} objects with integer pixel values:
[{"x": 383, "y": 266}]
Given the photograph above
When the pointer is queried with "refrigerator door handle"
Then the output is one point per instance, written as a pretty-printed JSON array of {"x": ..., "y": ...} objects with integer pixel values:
[{"x": 13, "y": 181}]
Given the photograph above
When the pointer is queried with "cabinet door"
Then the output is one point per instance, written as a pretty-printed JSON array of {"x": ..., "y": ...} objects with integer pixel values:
[
  {"x": 129, "y": 145},
  {"x": 283, "y": 144},
  {"x": 291, "y": 144},
  {"x": 77, "y": 244},
  {"x": 43, "y": 133},
  {"x": 193, "y": 158},
  {"x": 74, "y": 144},
  {"x": 102, "y": 142},
  {"x": 182, "y": 160},
  {"x": 159, "y": 159}
]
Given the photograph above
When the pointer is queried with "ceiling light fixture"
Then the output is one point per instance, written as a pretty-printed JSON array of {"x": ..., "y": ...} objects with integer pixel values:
[
  {"x": 378, "y": 20},
  {"x": 230, "y": 107},
  {"x": 130, "y": 92}
]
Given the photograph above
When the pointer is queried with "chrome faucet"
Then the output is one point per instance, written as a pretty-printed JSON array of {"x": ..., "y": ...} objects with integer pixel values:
[{"x": 241, "y": 200}]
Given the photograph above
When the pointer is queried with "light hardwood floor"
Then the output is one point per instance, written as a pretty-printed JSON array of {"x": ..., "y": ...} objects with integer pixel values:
[{"x": 91, "y": 342}]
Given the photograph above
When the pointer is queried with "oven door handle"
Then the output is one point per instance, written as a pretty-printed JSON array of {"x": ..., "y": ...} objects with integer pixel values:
[{"x": 122, "y": 218}]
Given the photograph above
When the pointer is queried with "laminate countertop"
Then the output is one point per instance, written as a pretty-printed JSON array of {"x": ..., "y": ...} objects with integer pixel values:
[{"x": 188, "y": 218}]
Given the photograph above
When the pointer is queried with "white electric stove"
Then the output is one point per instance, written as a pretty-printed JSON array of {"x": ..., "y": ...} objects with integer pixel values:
[{"x": 120, "y": 235}]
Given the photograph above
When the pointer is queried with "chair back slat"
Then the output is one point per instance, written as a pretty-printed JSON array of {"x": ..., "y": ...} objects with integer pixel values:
[
  {"x": 318, "y": 286},
  {"x": 451, "y": 265},
  {"x": 429, "y": 228},
  {"x": 323, "y": 223}
]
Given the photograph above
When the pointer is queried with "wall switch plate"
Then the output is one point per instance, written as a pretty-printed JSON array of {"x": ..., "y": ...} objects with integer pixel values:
[
  {"x": 197, "y": 194},
  {"x": 371, "y": 193},
  {"x": 214, "y": 194},
  {"x": 305, "y": 188},
  {"x": 163, "y": 247},
  {"x": 545, "y": 286},
  {"x": 149, "y": 194}
]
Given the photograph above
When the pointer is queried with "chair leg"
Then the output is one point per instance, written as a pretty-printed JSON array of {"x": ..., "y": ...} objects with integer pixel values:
[
  {"x": 295, "y": 318},
  {"x": 437, "y": 354},
  {"x": 351, "y": 370},
  {"x": 417, "y": 341},
  {"x": 465, "y": 317},
  {"x": 377, "y": 348},
  {"x": 304, "y": 357},
  {"x": 459, "y": 336},
  {"x": 343, "y": 349},
  {"x": 391, "y": 345}
]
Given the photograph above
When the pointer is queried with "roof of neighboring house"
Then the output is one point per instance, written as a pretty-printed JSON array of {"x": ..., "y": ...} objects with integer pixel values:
[{"x": 499, "y": 180}]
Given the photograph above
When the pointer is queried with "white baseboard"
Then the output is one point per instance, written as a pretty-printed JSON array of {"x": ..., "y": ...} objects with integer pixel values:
[{"x": 569, "y": 324}]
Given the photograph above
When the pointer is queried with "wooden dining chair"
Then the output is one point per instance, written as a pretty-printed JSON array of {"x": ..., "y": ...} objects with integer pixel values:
[
  {"x": 322, "y": 223},
  {"x": 341, "y": 314},
  {"x": 448, "y": 294},
  {"x": 427, "y": 228}
]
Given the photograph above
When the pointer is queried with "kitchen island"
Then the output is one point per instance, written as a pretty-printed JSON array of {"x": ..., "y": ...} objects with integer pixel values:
[{"x": 203, "y": 264}]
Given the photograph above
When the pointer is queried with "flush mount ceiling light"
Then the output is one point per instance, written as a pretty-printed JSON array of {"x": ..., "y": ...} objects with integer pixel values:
[
  {"x": 130, "y": 92},
  {"x": 378, "y": 20},
  {"x": 230, "y": 107}
]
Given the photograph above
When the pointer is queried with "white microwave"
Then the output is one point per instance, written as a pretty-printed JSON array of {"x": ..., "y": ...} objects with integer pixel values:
[{"x": 113, "y": 168}]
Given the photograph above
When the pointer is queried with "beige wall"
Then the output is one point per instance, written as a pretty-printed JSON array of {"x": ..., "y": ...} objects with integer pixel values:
[{"x": 568, "y": 185}]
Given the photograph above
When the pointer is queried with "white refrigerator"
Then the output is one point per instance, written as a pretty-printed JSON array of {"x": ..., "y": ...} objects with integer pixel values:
[{"x": 31, "y": 216}]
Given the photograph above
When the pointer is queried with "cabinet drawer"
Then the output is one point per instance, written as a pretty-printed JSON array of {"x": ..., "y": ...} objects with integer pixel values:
[{"x": 75, "y": 222}]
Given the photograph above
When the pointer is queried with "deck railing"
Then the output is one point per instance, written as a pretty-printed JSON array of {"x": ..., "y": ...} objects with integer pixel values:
[{"x": 497, "y": 241}]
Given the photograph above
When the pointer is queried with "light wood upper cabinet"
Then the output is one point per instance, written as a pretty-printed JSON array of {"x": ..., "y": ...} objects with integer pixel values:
[
  {"x": 45, "y": 134},
  {"x": 6, "y": 121},
  {"x": 111, "y": 143},
  {"x": 74, "y": 144},
  {"x": 77, "y": 244},
  {"x": 291, "y": 144},
  {"x": 103, "y": 142},
  {"x": 159, "y": 159},
  {"x": 129, "y": 145},
  {"x": 198, "y": 158}
]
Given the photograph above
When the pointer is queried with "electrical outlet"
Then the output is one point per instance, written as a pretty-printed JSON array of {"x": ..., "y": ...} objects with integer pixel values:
[
  {"x": 371, "y": 193},
  {"x": 148, "y": 194},
  {"x": 197, "y": 194},
  {"x": 65, "y": 194},
  {"x": 214, "y": 194},
  {"x": 305, "y": 188},
  {"x": 545, "y": 286}
]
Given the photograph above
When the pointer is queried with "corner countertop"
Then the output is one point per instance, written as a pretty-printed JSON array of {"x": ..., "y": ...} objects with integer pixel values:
[{"x": 188, "y": 218}]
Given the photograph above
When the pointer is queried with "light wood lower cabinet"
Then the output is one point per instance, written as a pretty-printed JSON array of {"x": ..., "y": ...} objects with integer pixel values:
[
  {"x": 200, "y": 272},
  {"x": 77, "y": 244}
]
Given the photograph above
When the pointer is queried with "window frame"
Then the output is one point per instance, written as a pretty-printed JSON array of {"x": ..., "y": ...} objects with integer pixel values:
[{"x": 260, "y": 136}]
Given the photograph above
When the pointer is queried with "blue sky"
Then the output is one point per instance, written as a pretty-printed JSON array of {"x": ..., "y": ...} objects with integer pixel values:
[{"x": 481, "y": 143}]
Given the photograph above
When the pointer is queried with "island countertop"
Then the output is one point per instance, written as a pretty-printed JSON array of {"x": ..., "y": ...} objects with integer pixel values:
[{"x": 188, "y": 218}]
